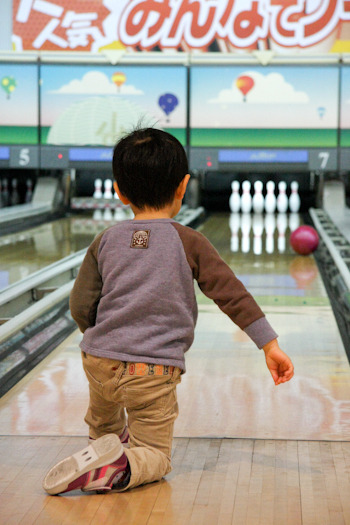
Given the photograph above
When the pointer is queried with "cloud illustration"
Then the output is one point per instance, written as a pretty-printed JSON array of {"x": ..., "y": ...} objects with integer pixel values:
[
  {"x": 267, "y": 89},
  {"x": 95, "y": 83}
]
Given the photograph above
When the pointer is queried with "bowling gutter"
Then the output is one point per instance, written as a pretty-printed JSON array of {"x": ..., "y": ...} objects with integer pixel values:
[{"x": 336, "y": 243}]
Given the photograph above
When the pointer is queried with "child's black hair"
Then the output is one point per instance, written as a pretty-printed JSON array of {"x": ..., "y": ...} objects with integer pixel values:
[{"x": 148, "y": 165}]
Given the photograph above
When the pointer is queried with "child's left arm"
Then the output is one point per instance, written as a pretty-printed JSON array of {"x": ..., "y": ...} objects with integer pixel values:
[{"x": 279, "y": 364}]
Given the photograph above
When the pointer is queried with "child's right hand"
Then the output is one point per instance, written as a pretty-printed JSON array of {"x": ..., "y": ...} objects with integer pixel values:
[{"x": 279, "y": 364}]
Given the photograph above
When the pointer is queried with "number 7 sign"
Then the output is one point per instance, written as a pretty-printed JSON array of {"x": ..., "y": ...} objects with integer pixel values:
[{"x": 323, "y": 159}]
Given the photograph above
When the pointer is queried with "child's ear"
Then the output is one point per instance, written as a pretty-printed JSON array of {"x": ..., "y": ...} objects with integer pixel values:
[
  {"x": 181, "y": 189},
  {"x": 120, "y": 195}
]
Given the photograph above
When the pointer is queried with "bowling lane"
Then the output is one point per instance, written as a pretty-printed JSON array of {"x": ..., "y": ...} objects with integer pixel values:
[
  {"x": 23, "y": 253},
  {"x": 257, "y": 249},
  {"x": 227, "y": 390},
  {"x": 240, "y": 399}
]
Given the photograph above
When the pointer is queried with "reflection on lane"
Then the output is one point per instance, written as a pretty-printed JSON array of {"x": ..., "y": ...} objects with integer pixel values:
[
  {"x": 24, "y": 253},
  {"x": 255, "y": 246},
  {"x": 257, "y": 249}
]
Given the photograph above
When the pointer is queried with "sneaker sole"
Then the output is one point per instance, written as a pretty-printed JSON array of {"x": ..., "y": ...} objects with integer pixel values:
[{"x": 101, "y": 452}]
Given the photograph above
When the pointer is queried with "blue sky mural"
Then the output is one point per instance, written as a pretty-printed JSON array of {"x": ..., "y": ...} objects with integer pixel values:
[
  {"x": 272, "y": 97},
  {"x": 109, "y": 99},
  {"x": 19, "y": 105}
]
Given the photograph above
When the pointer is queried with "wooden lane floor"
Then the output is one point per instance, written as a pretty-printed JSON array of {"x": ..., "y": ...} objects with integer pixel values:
[
  {"x": 227, "y": 390},
  {"x": 213, "y": 482},
  {"x": 287, "y": 459},
  {"x": 238, "y": 395}
]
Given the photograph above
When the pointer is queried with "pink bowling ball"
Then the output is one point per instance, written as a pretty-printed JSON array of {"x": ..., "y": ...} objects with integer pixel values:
[{"x": 304, "y": 240}]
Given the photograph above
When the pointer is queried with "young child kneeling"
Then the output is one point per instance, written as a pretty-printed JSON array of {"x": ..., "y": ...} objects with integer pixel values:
[{"x": 134, "y": 301}]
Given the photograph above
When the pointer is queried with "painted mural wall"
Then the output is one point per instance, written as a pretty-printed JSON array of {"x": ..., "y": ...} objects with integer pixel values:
[
  {"x": 98, "y": 104},
  {"x": 274, "y": 106},
  {"x": 244, "y": 106},
  {"x": 19, "y": 104}
]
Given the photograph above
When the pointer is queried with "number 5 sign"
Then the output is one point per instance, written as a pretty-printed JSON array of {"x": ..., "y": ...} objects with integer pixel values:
[{"x": 24, "y": 157}]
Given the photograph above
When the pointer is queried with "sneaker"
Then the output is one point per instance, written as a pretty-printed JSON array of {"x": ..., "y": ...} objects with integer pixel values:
[{"x": 96, "y": 467}]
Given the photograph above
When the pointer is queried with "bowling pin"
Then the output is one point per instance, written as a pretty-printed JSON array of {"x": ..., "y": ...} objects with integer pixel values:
[
  {"x": 294, "y": 221},
  {"x": 270, "y": 225},
  {"x": 98, "y": 189},
  {"x": 29, "y": 193},
  {"x": 294, "y": 199},
  {"x": 107, "y": 214},
  {"x": 246, "y": 199},
  {"x": 270, "y": 200},
  {"x": 258, "y": 199},
  {"x": 108, "y": 189},
  {"x": 97, "y": 215},
  {"x": 282, "y": 222},
  {"x": 282, "y": 199},
  {"x": 235, "y": 200},
  {"x": 14, "y": 195},
  {"x": 246, "y": 223},
  {"x": 234, "y": 222},
  {"x": 258, "y": 228},
  {"x": 119, "y": 214}
]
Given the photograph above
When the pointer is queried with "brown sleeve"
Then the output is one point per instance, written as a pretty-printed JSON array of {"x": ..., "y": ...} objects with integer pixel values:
[
  {"x": 87, "y": 288},
  {"x": 216, "y": 279}
]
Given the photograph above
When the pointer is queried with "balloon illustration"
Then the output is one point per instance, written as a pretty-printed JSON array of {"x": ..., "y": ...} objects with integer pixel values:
[
  {"x": 244, "y": 84},
  {"x": 321, "y": 111},
  {"x": 168, "y": 103},
  {"x": 118, "y": 78},
  {"x": 8, "y": 84}
]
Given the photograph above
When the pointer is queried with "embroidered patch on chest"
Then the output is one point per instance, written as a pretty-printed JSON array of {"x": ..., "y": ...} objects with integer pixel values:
[{"x": 140, "y": 239}]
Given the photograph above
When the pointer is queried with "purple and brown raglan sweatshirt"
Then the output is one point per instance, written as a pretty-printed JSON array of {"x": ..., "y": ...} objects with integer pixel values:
[{"x": 134, "y": 296}]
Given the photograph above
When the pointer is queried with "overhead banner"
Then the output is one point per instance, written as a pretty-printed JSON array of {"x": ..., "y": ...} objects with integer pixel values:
[{"x": 231, "y": 26}]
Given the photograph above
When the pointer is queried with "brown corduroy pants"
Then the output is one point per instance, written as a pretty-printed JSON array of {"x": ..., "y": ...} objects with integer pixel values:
[{"x": 147, "y": 395}]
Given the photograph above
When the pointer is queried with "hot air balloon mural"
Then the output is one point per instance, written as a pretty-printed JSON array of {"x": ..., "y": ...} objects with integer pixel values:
[
  {"x": 321, "y": 112},
  {"x": 168, "y": 103},
  {"x": 244, "y": 84},
  {"x": 118, "y": 78},
  {"x": 8, "y": 84}
]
